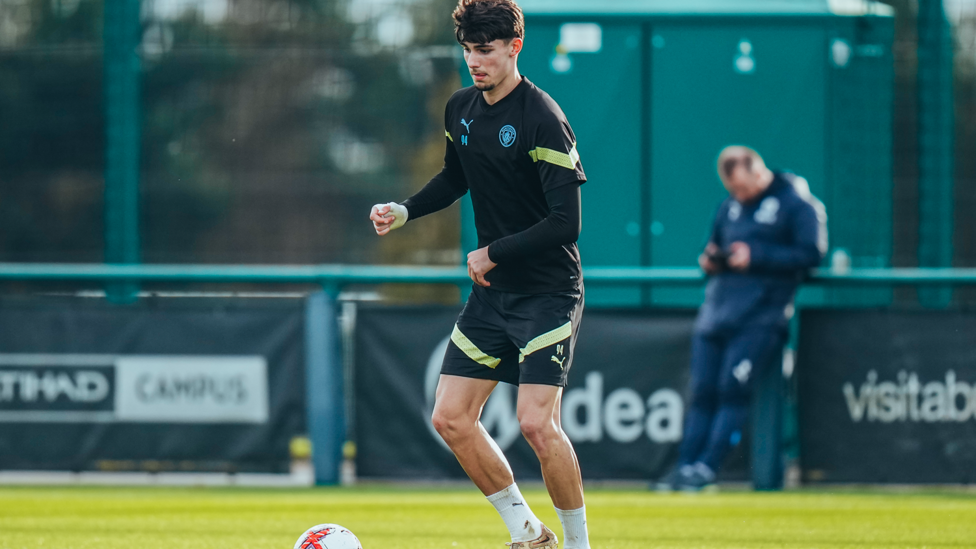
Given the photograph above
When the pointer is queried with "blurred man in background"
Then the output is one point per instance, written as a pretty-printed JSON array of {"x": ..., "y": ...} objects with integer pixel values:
[
  {"x": 510, "y": 145},
  {"x": 766, "y": 235}
]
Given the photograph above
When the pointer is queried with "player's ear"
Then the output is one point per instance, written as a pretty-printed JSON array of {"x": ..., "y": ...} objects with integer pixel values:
[{"x": 516, "y": 46}]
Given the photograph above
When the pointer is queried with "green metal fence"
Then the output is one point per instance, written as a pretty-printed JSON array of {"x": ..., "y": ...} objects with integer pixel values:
[{"x": 333, "y": 277}]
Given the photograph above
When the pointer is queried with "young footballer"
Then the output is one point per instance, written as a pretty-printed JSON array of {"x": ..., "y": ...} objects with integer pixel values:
[{"x": 509, "y": 145}]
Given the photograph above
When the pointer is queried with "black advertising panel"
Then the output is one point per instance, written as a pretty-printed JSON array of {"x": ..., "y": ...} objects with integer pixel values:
[
  {"x": 887, "y": 396},
  {"x": 162, "y": 385},
  {"x": 623, "y": 408}
]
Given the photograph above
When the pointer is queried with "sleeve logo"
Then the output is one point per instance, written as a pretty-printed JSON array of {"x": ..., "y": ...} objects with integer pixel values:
[{"x": 507, "y": 136}]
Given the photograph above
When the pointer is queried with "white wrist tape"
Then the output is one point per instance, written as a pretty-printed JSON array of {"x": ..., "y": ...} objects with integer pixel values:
[{"x": 399, "y": 213}]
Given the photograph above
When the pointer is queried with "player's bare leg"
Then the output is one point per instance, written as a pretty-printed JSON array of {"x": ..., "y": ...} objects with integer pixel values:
[
  {"x": 457, "y": 413},
  {"x": 538, "y": 415},
  {"x": 457, "y": 418}
]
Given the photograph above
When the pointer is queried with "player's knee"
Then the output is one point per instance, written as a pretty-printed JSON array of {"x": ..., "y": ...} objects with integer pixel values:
[
  {"x": 450, "y": 425},
  {"x": 445, "y": 424},
  {"x": 537, "y": 429}
]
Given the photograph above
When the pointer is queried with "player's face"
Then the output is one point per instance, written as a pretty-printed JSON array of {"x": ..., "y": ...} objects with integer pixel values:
[{"x": 491, "y": 63}]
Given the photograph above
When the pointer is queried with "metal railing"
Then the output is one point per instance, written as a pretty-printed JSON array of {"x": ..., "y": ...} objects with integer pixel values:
[{"x": 334, "y": 276}]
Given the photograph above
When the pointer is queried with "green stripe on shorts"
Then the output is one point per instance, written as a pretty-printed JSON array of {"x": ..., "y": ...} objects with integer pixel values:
[
  {"x": 472, "y": 350},
  {"x": 546, "y": 339}
]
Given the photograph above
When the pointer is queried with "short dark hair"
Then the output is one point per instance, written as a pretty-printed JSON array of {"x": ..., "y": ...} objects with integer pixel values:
[{"x": 483, "y": 21}]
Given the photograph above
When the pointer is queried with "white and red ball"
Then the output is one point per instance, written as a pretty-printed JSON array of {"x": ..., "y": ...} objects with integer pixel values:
[{"x": 328, "y": 536}]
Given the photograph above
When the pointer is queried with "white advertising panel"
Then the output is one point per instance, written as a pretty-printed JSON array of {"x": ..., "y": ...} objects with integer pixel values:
[{"x": 191, "y": 389}]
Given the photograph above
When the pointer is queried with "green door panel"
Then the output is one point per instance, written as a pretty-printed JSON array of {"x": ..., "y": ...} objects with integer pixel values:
[
  {"x": 601, "y": 97},
  {"x": 704, "y": 97}
]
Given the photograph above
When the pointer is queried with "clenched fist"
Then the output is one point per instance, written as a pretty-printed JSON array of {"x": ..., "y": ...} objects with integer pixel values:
[{"x": 387, "y": 217}]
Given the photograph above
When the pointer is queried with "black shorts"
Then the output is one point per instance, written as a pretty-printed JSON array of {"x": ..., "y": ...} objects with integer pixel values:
[{"x": 515, "y": 338}]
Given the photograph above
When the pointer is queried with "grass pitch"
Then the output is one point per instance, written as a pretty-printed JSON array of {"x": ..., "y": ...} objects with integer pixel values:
[{"x": 452, "y": 518}]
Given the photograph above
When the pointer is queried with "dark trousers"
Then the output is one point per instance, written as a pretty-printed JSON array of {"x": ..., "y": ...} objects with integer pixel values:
[{"x": 723, "y": 370}]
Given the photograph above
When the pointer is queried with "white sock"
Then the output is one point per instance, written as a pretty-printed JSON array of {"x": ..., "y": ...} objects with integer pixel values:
[
  {"x": 521, "y": 522},
  {"x": 574, "y": 528}
]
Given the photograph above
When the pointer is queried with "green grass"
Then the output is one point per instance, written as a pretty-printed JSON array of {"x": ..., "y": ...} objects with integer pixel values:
[{"x": 406, "y": 518}]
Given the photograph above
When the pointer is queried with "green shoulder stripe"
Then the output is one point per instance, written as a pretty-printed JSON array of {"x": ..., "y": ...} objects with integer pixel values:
[
  {"x": 568, "y": 161},
  {"x": 448, "y": 134}
]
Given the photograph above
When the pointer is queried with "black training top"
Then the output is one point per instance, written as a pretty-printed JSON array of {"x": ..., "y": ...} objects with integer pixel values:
[{"x": 510, "y": 156}]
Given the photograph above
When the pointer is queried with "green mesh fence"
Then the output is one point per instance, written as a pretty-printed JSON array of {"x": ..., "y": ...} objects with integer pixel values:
[{"x": 265, "y": 129}]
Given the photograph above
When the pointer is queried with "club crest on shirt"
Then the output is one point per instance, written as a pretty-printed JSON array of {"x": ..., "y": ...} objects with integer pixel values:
[{"x": 507, "y": 136}]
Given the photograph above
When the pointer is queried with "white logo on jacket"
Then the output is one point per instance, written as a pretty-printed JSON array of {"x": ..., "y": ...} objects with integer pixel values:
[
  {"x": 766, "y": 214},
  {"x": 735, "y": 210},
  {"x": 742, "y": 371}
]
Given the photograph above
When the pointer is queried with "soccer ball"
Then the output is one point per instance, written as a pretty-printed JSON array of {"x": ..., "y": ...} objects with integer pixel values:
[{"x": 328, "y": 536}]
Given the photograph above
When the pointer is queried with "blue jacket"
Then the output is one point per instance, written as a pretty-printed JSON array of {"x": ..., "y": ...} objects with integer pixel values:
[{"x": 786, "y": 230}]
